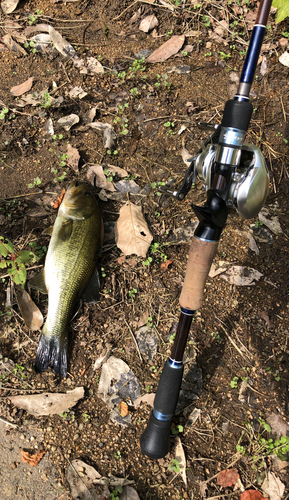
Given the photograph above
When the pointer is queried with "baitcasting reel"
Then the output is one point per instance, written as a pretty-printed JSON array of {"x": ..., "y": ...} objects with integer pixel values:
[{"x": 250, "y": 181}]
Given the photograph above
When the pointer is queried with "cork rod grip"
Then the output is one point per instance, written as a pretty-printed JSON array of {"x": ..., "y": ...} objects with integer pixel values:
[{"x": 200, "y": 259}]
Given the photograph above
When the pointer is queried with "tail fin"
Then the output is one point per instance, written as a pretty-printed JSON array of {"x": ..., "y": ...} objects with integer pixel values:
[{"x": 51, "y": 352}]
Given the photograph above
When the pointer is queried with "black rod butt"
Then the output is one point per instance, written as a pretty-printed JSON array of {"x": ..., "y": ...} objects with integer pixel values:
[{"x": 155, "y": 441}]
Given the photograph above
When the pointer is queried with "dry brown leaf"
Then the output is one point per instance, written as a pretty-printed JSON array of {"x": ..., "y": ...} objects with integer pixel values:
[
  {"x": 273, "y": 487},
  {"x": 168, "y": 49},
  {"x": 121, "y": 172},
  {"x": 23, "y": 87},
  {"x": 166, "y": 264},
  {"x": 227, "y": 477},
  {"x": 122, "y": 409},
  {"x": 73, "y": 158},
  {"x": 181, "y": 458},
  {"x": 252, "y": 495},
  {"x": 132, "y": 234},
  {"x": 30, "y": 459},
  {"x": 146, "y": 398},
  {"x": 263, "y": 315},
  {"x": 96, "y": 177},
  {"x": 250, "y": 18},
  {"x": 12, "y": 45},
  {"x": 148, "y": 23},
  {"x": 93, "y": 67},
  {"x": 29, "y": 311},
  {"x": 48, "y": 403},
  {"x": 143, "y": 319},
  {"x": 103, "y": 357},
  {"x": 9, "y": 6}
]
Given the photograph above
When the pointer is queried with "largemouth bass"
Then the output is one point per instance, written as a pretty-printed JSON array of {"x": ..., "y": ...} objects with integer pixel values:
[{"x": 70, "y": 272}]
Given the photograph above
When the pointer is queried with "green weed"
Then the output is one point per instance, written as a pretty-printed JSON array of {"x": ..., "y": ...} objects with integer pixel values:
[{"x": 14, "y": 262}]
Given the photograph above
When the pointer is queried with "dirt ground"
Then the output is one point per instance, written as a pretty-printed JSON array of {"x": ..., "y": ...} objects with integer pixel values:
[{"x": 241, "y": 332}]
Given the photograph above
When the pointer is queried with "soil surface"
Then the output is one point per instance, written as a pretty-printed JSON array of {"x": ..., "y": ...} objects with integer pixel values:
[{"x": 240, "y": 334}]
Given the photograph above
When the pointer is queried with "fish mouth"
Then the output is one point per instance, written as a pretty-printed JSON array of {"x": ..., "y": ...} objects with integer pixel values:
[{"x": 73, "y": 190}]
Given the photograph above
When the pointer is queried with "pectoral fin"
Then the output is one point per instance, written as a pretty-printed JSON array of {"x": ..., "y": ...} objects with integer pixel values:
[
  {"x": 65, "y": 230},
  {"x": 48, "y": 231},
  {"x": 91, "y": 291},
  {"x": 38, "y": 282}
]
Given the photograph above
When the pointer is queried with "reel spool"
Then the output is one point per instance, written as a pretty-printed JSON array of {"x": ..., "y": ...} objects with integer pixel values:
[{"x": 250, "y": 183}]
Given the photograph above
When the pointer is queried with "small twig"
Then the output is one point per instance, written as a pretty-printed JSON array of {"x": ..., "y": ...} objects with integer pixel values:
[
  {"x": 232, "y": 341},
  {"x": 131, "y": 5},
  {"x": 134, "y": 339},
  {"x": 8, "y": 423}
]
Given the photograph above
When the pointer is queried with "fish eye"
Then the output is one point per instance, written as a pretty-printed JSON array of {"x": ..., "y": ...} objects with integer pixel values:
[{"x": 87, "y": 193}]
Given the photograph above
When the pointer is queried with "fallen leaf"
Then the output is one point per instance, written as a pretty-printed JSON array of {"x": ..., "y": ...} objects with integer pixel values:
[
  {"x": 252, "y": 243},
  {"x": 48, "y": 403},
  {"x": 279, "y": 428},
  {"x": 186, "y": 156},
  {"x": 109, "y": 134},
  {"x": 273, "y": 223},
  {"x": 250, "y": 18},
  {"x": 284, "y": 59},
  {"x": 165, "y": 265},
  {"x": 48, "y": 126},
  {"x": 117, "y": 383},
  {"x": 122, "y": 408},
  {"x": 61, "y": 44},
  {"x": 168, "y": 49},
  {"x": 127, "y": 186},
  {"x": 12, "y": 45},
  {"x": 146, "y": 398},
  {"x": 121, "y": 172},
  {"x": 166, "y": 4},
  {"x": 68, "y": 121},
  {"x": 81, "y": 478},
  {"x": 181, "y": 458},
  {"x": 263, "y": 315},
  {"x": 80, "y": 93},
  {"x": 73, "y": 158},
  {"x": 132, "y": 234},
  {"x": 227, "y": 477},
  {"x": 236, "y": 275},
  {"x": 93, "y": 67},
  {"x": 147, "y": 341},
  {"x": 89, "y": 116},
  {"x": 148, "y": 23},
  {"x": 30, "y": 459},
  {"x": 59, "y": 199},
  {"x": 282, "y": 10},
  {"x": 263, "y": 68},
  {"x": 143, "y": 319},
  {"x": 29, "y": 311},
  {"x": 103, "y": 357},
  {"x": 193, "y": 416},
  {"x": 9, "y": 6},
  {"x": 128, "y": 493},
  {"x": 252, "y": 495},
  {"x": 96, "y": 177}
]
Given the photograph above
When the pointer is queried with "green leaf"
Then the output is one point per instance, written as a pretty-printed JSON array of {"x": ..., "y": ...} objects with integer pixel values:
[
  {"x": 9, "y": 246},
  {"x": 282, "y": 9},
  {"x": 266, "y": 426},
  {"x": 3, "y": 264},
  {"x": 26, "y": 256}
]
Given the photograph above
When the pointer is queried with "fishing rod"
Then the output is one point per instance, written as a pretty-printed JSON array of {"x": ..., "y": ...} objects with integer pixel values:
[{"x": 236, "y": 178}]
